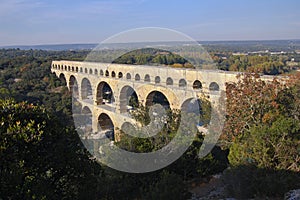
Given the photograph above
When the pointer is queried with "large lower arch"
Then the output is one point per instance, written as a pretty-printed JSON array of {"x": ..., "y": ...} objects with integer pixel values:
[
  {"x": 105, "y": 125},
  {"x": 86, "y": 89},
  {"x": 104, "y": 94},
  {"x": 156, "y": 97},
  {"x": 73, "y": 86},
  {"x": 201, "y": 108},
  {"x": 62, "y": 79},
  {"x": 86, "y": 121},
  {"x": 128, "y": 99}
]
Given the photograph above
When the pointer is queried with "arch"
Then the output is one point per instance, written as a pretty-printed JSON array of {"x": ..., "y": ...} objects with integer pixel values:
[
  {"x": 120, "y": 75},
  {"x": 59, "y": 67},
  {"x": 85, "y": 70},
  {"x": 106, "y": 73},
  {"x": 101, "y": 72},
  {"x": 137, "y": 77},
  {"x": 128, "y": 76},
  {"x": 156, "y": 97},
  {"x": 213, "y": 86},
  {"x": 73, "y": 69},
  {"x": 169, "y": 81},
  {"x": 147, "y": 78},
  {"x": 86, "y": 110},
  {"x": 104, "y": 94},
  {"x": 73, "y": 86},
  {"x": 76, "y": 69},
  {"x": 113, "y": 74},
  {"x": 157, "y": 79},
  {"x": 128, "y": 99},
  {"x": 106, "y": 126},
  {"x": 182, "y": 83},
  {"x": 81, "y": 70},
  {"x": 197, "y": 85},
  {"x": 96, "y": 72},
  {"x": 91, "y": 71},
  {"x": 65, "y": 67},
  {"x": 86, "y": 89},
  {"x": 201, "y": 108},
  {"x": 191, "y": 105},
  {"x": 63, "y": 79},
  {"x": 69, "y": 68}
]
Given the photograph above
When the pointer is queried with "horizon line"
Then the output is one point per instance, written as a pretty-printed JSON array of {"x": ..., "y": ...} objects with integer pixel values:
[{"x": 90, "y": 43}]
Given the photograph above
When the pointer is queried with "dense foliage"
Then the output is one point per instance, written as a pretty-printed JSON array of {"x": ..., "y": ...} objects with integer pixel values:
[
  {"x": 263, "y": 132},
  {"x": 263, "y": 64}
]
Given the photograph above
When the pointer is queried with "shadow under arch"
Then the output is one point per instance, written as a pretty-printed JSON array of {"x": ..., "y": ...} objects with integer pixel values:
[
  {"x": 86, "y": 89},
  {"x": 106, "y": 126},
  {"x": 104, "y": 94},
  {"x": 156, "y": 97},
  {"x": 128, "y": 99},
  {"x": 63, "y": 79},
  {"x": 200, "y": 108},
  {"x": 73, "y": 84}
]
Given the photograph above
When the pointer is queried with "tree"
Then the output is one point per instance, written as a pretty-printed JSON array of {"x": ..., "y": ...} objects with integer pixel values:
[{"x": 40, "y": 158}]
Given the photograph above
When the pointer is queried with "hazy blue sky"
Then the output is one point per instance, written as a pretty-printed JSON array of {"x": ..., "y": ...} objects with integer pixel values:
[{"x": 91, "y": 21}]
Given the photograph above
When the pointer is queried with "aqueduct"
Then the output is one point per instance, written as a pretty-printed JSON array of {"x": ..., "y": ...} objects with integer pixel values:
[{"x": 106, "y": 91}]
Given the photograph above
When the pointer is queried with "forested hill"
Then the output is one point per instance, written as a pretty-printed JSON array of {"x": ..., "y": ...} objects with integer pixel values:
[{"x": 151, "y": 56}]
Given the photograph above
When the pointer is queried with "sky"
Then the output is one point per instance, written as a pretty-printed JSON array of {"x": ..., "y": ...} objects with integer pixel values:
[{"x": 33, "y": 22}]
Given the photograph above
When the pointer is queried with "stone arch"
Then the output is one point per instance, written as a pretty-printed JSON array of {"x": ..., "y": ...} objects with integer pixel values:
[
  {"x": 91, "y": 71},
  {"x": 106, "y": 126},
  {"x": 191, "y": 105},
  {"x": 86, "y": 89},
  {"x": 65, "y": 67},
  {"x": 201, "y": 108},
  {"x": 120, "y": 75},
  {"x": 147, "y": 78},
  {"x": 169, "y": 81},
  {"x": 101, "y": 72},
  {"x": 213, "y": 86},
  {"x": 69, "y": 68},
  {"x": 96, "y": 71},
  {"x": 113, "y": 74},
  {"x": 76, "y": 69},
  {"x": 85, "y": 70},
  {"x": 182, "y": 83},
  {"x": 81, "y": 70},
  {"x": 63, "y": 79},
  {"x": 128, "y": 99},
  {"x": 197, "y": 85},
  {"x": 157, "y": 97},
  {"x": 73, "y": 84},
  {"x": 73, "y": 69},
  {"x": 157, "y": 79},
  {"x": 106, "y": 73},
  {"x": 137, "y": 77},
  {"x": 128, "y": 76},
  {"x": 86, "y": 119},
  {"x": 104, "y": 94}
]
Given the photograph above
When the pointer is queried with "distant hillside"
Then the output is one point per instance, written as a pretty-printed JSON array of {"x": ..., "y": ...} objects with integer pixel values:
[
  {"x": 151, "y": 56},
  {"x": 233, "y": 46},
  {"x": 54, "y": 47}
]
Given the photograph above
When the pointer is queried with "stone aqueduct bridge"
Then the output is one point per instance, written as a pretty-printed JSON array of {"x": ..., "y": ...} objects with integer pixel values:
[{"x": 104, "y": 89}]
